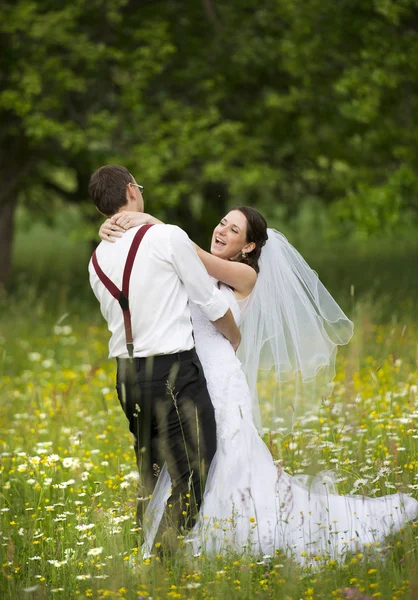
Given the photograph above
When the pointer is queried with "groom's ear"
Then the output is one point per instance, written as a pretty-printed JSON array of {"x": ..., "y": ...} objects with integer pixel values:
[{"x": 127, "y": 195}]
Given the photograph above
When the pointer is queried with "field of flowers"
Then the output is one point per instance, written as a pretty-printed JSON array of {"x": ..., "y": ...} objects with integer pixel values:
[{"x": 68, "y": 478}]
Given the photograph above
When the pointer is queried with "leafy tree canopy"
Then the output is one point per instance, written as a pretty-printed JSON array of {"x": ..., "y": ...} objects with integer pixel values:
[{"x": 208, "y": 103}]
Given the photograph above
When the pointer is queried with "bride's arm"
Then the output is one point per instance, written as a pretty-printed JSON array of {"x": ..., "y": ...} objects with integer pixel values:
[{"x": 242, "y": 278}]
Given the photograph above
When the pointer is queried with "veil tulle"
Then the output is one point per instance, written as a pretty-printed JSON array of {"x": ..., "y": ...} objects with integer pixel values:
[{"x": 292, "y": 324}]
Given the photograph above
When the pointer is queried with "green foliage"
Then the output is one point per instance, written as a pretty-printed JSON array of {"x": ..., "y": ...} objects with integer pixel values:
[
  {"x": 211, "y": 104},
  {"x": 66, "y": 76}
]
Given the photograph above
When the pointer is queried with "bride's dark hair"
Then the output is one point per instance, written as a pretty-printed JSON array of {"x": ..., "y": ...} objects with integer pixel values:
[{"x": 256, "y": 233}]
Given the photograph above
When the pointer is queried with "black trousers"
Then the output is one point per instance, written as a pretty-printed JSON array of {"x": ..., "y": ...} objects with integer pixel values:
[{"x": 171, "y": 416}]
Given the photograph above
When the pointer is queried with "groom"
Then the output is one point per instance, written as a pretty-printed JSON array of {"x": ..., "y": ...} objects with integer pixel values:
[{"x": 144, "y": 283}]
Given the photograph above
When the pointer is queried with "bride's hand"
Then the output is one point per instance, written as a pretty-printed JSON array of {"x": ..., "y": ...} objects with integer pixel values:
[
  {"x": 109, "y": 231},
  {"x": 127, "y": 219}
]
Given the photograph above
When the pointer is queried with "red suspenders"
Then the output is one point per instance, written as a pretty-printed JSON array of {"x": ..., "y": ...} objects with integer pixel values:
[{"x": 122, "y": 296}]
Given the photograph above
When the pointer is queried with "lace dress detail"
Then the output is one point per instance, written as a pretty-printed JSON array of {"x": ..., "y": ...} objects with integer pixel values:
[
  {"x": 249, "y": 504},
  {"x": 225, "y": 379}
]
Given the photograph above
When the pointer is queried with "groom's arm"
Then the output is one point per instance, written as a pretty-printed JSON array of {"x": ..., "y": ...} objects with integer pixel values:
[
  {"x": 199, "y": 286},
  {"x": 227, "y": 326}
]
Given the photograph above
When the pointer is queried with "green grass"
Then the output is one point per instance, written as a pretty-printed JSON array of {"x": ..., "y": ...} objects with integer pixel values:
[
  {"x": 380, "y": 272},
  {"x": 50, "y": 261},
  {"x": 66, "y": 469}
]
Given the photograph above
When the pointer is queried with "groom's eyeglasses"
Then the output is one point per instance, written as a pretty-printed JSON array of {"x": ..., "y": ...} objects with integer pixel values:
[{"x": 141, "y": 187}]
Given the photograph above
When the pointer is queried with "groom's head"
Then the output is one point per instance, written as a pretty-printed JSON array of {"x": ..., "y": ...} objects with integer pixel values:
[{"x": 113, "y": 189}]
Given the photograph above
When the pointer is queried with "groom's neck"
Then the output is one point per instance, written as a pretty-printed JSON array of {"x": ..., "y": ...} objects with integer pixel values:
[{"x": 130, "y": 207}]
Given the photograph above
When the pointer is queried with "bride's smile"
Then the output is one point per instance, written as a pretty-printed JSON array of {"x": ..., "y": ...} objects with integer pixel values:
[{"x": 230, "y": 237}]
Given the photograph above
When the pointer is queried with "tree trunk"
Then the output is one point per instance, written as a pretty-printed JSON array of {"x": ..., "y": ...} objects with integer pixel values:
[
  {"x": 15, "y": 165},
  {"x": 7, "y": 212}
]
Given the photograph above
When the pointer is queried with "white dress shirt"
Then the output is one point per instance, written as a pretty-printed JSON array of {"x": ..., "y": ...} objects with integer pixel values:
[{"x": 166, "y": 275}]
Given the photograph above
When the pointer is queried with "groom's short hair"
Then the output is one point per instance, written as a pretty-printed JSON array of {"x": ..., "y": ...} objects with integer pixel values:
[{"x": 107, "y": 188}]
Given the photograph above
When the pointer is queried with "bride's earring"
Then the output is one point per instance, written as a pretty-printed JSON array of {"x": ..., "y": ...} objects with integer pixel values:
[{"x": 244, "y": 254}]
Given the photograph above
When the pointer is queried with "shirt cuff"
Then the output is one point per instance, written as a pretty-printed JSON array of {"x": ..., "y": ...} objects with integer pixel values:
[{"x": 217, "y": 307}]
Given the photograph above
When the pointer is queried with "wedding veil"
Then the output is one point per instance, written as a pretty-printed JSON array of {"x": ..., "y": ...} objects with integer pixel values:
[{"x": 291, "y": 324}]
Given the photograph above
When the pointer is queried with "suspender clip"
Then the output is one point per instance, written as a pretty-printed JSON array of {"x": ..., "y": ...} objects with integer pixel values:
[{"x": 130, "y": 347}]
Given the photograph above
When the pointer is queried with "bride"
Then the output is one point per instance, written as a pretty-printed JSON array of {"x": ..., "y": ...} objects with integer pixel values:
[{"x": 289, "y": 322}]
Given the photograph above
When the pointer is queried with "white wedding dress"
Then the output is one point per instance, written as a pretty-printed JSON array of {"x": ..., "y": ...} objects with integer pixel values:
[{"x": 251, "y": 505}]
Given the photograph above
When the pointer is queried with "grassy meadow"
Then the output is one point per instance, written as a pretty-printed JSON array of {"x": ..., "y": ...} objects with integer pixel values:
[{"x": 67, "y": 468}]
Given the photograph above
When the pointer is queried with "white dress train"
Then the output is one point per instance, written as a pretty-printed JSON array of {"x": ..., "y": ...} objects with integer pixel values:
[{"x": 251, "y": 505}]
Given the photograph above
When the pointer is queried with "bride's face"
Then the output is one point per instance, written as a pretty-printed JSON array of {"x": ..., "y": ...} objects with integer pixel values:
[{"x": 230, "y": 236}]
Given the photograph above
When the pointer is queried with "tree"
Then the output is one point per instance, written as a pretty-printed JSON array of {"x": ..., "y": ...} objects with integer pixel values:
[
  {"x": 282, "y": 102},
  {"x": 210, "y": 103},
  {"x": 62, "y": 71}
]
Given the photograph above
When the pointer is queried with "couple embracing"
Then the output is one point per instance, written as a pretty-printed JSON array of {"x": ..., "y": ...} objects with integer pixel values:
[{"x": 173, "y": 311}]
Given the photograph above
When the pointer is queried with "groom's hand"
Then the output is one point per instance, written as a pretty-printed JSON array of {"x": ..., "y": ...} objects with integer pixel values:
[{"x": 227, "y": 326}]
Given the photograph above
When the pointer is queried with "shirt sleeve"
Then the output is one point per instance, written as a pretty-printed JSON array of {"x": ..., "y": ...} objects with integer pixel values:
[{"x": 194, "y": 276}]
